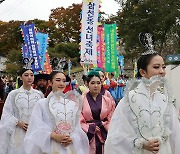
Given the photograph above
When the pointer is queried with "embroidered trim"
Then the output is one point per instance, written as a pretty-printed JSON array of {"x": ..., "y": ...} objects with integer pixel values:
[{"x": 131, "y": 85}]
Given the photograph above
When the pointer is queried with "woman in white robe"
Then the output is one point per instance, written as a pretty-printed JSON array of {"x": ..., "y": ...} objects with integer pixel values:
[
  {"x": 16, "y": 114},
  {"x": 54, "y": 126},
  {"x": 145, "y": 121}
]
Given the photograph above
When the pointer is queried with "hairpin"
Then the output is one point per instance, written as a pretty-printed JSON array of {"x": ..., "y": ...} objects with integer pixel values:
[
  {"x": 147, "y": 41},
  {"x": 28, "y": 62},
  {"x": 58, "y": 64}
]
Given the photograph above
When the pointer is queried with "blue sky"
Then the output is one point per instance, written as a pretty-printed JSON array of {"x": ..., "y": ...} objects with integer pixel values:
[{"x": 40, "y": 9}]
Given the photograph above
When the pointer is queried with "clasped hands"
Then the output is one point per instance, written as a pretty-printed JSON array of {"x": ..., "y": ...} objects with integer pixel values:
[
  {"x": 152, "y": 145},
  {"x": 64, "y": 140},
  {"x": 22, "y": 125}
]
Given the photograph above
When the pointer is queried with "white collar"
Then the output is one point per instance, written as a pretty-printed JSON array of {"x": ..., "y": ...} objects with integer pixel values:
[{"x": 21, "y": 89}]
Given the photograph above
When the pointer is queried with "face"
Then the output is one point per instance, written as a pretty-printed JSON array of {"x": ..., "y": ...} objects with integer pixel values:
[
  {"x": 27, "y": 78},
  {"x": 94, "y": 85},
  {"x": 155, "y": 67},
  {"x": 58, "y": 82},
  {"x": 102, "y": 76},
  {"x": 41, "y": 83},
  {"x": 73, "y": 77}
]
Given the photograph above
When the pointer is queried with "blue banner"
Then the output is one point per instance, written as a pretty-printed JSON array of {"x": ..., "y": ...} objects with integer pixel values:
[
  {"x": 121, "y": 63},
  {"x": 31, "y": 43},
  {"x": 42, "y": 40},
  {"x": 25, "y": 51}
]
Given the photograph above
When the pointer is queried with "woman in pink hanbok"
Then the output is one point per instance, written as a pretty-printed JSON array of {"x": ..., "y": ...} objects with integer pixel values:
[
  {"x": 103, "y": 91},
  {"x": 96, "y": 114}
]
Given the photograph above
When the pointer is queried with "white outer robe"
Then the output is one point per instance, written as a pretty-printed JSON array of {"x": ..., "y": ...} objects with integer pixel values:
[
  {"x": 38, "y": 140},
  {"x": 18, "y": 107},
  {"x": 123, "y": 130}
]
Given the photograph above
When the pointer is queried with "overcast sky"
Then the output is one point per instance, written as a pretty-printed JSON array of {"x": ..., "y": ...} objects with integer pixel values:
[{"x": 40, "y": 9}]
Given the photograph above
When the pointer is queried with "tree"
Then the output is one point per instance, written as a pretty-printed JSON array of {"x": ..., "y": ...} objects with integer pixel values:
[
  {"x": 14, "y": 62},
  {"x": 10, "y": 36},
  {"x": 63, "y": 29},
  {"x": 68, "y": 50},
  {"x": 65, "y": 23},
  {"x": 161, "y": 18}
]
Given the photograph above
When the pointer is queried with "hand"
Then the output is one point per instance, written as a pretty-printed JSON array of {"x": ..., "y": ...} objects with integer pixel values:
[
  {"x": 152, "y": 145},
  {"x": 22, "y": 125},
  {"x": 98, "y": 129},
  {"x": 65, "y": 140}
]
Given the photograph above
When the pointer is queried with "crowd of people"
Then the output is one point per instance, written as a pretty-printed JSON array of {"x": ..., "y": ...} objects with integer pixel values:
[
  {"x": 51, "y": 114},
  {"x": 115, "y": 86},
  {"x": 6, "y": 86}
]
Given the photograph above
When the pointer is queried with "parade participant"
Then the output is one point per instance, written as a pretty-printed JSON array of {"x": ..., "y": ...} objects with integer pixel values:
[
  {"x": 68, "y": 84},
  {"x": 120, "y": 88},
  {"x": 103, "y": 77},
  {"x": 145, "y": 120},
  {"x": 16, "y": 113},
  {"x": 8, "y": 88},
  {"x": 74, "y": 82},
  {"x": 113, "y": 86},
  {"x": 96, "y": 114},
  {"x": 54, "y": 126},
  {"x": 2, "y": 85},
  {"x": 41, "y": 83},
  {"x": 84, "y": 87}
]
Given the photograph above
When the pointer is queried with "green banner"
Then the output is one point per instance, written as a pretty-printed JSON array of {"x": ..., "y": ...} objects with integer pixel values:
[
  {"x": 108, "y": 47},
  {"x": 111, "y": 48}
]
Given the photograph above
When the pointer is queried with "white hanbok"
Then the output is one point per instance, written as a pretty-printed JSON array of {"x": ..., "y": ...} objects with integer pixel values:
[
  {"x": 18, "y": 107},
  {"x": 57, "y": 113},
  {"x": 146, "y": 112}
]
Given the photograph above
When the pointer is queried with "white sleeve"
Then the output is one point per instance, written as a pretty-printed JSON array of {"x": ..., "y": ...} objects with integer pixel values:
[
  {"x": 8, "y": 119},
  {"x": 80, "y": 140},
  {"x": 121, "y": 134},
  {"x": 8, "y": 122},
  {"x": 79, "y": 137},
  {"x": 175, "y": 135},
  {"x": 37, "y": 138}
]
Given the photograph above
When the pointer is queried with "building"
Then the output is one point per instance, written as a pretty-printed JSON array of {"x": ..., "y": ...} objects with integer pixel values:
[{"x": 2, "y": 64}]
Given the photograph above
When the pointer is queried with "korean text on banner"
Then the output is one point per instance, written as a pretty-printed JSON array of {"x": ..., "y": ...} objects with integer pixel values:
[
  {"x": 42, "y": 40},
  {"x": 111, "y": 48},
  {"x": 101, "y": 48},
  {"x": 90, "y": 11},
  {"x": 31, "y": 43}
]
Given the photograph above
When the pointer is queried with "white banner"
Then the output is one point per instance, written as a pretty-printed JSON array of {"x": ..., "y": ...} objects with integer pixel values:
[{"x": 90, "y": 11}]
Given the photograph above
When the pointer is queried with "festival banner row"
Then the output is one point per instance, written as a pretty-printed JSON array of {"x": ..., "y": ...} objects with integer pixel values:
[{"x": 90, "y": 11}]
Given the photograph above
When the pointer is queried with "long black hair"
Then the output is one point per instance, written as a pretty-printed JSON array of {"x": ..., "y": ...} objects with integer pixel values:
[{"x": 143, "y": 62}]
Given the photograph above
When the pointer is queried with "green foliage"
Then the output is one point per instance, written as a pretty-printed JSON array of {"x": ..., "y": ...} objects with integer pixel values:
[
  {"x": 41, "y": 25},
  {"x": 65, "y": 24},
  {"x": 159, "y": 17},
  {"x": 76, "y": 69},
  {"x": 68, "y": 50},
  {"x": 10, "y": 36},
  {"x": 14, "y": 62},
  {"x": 63, "y": 29}
]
